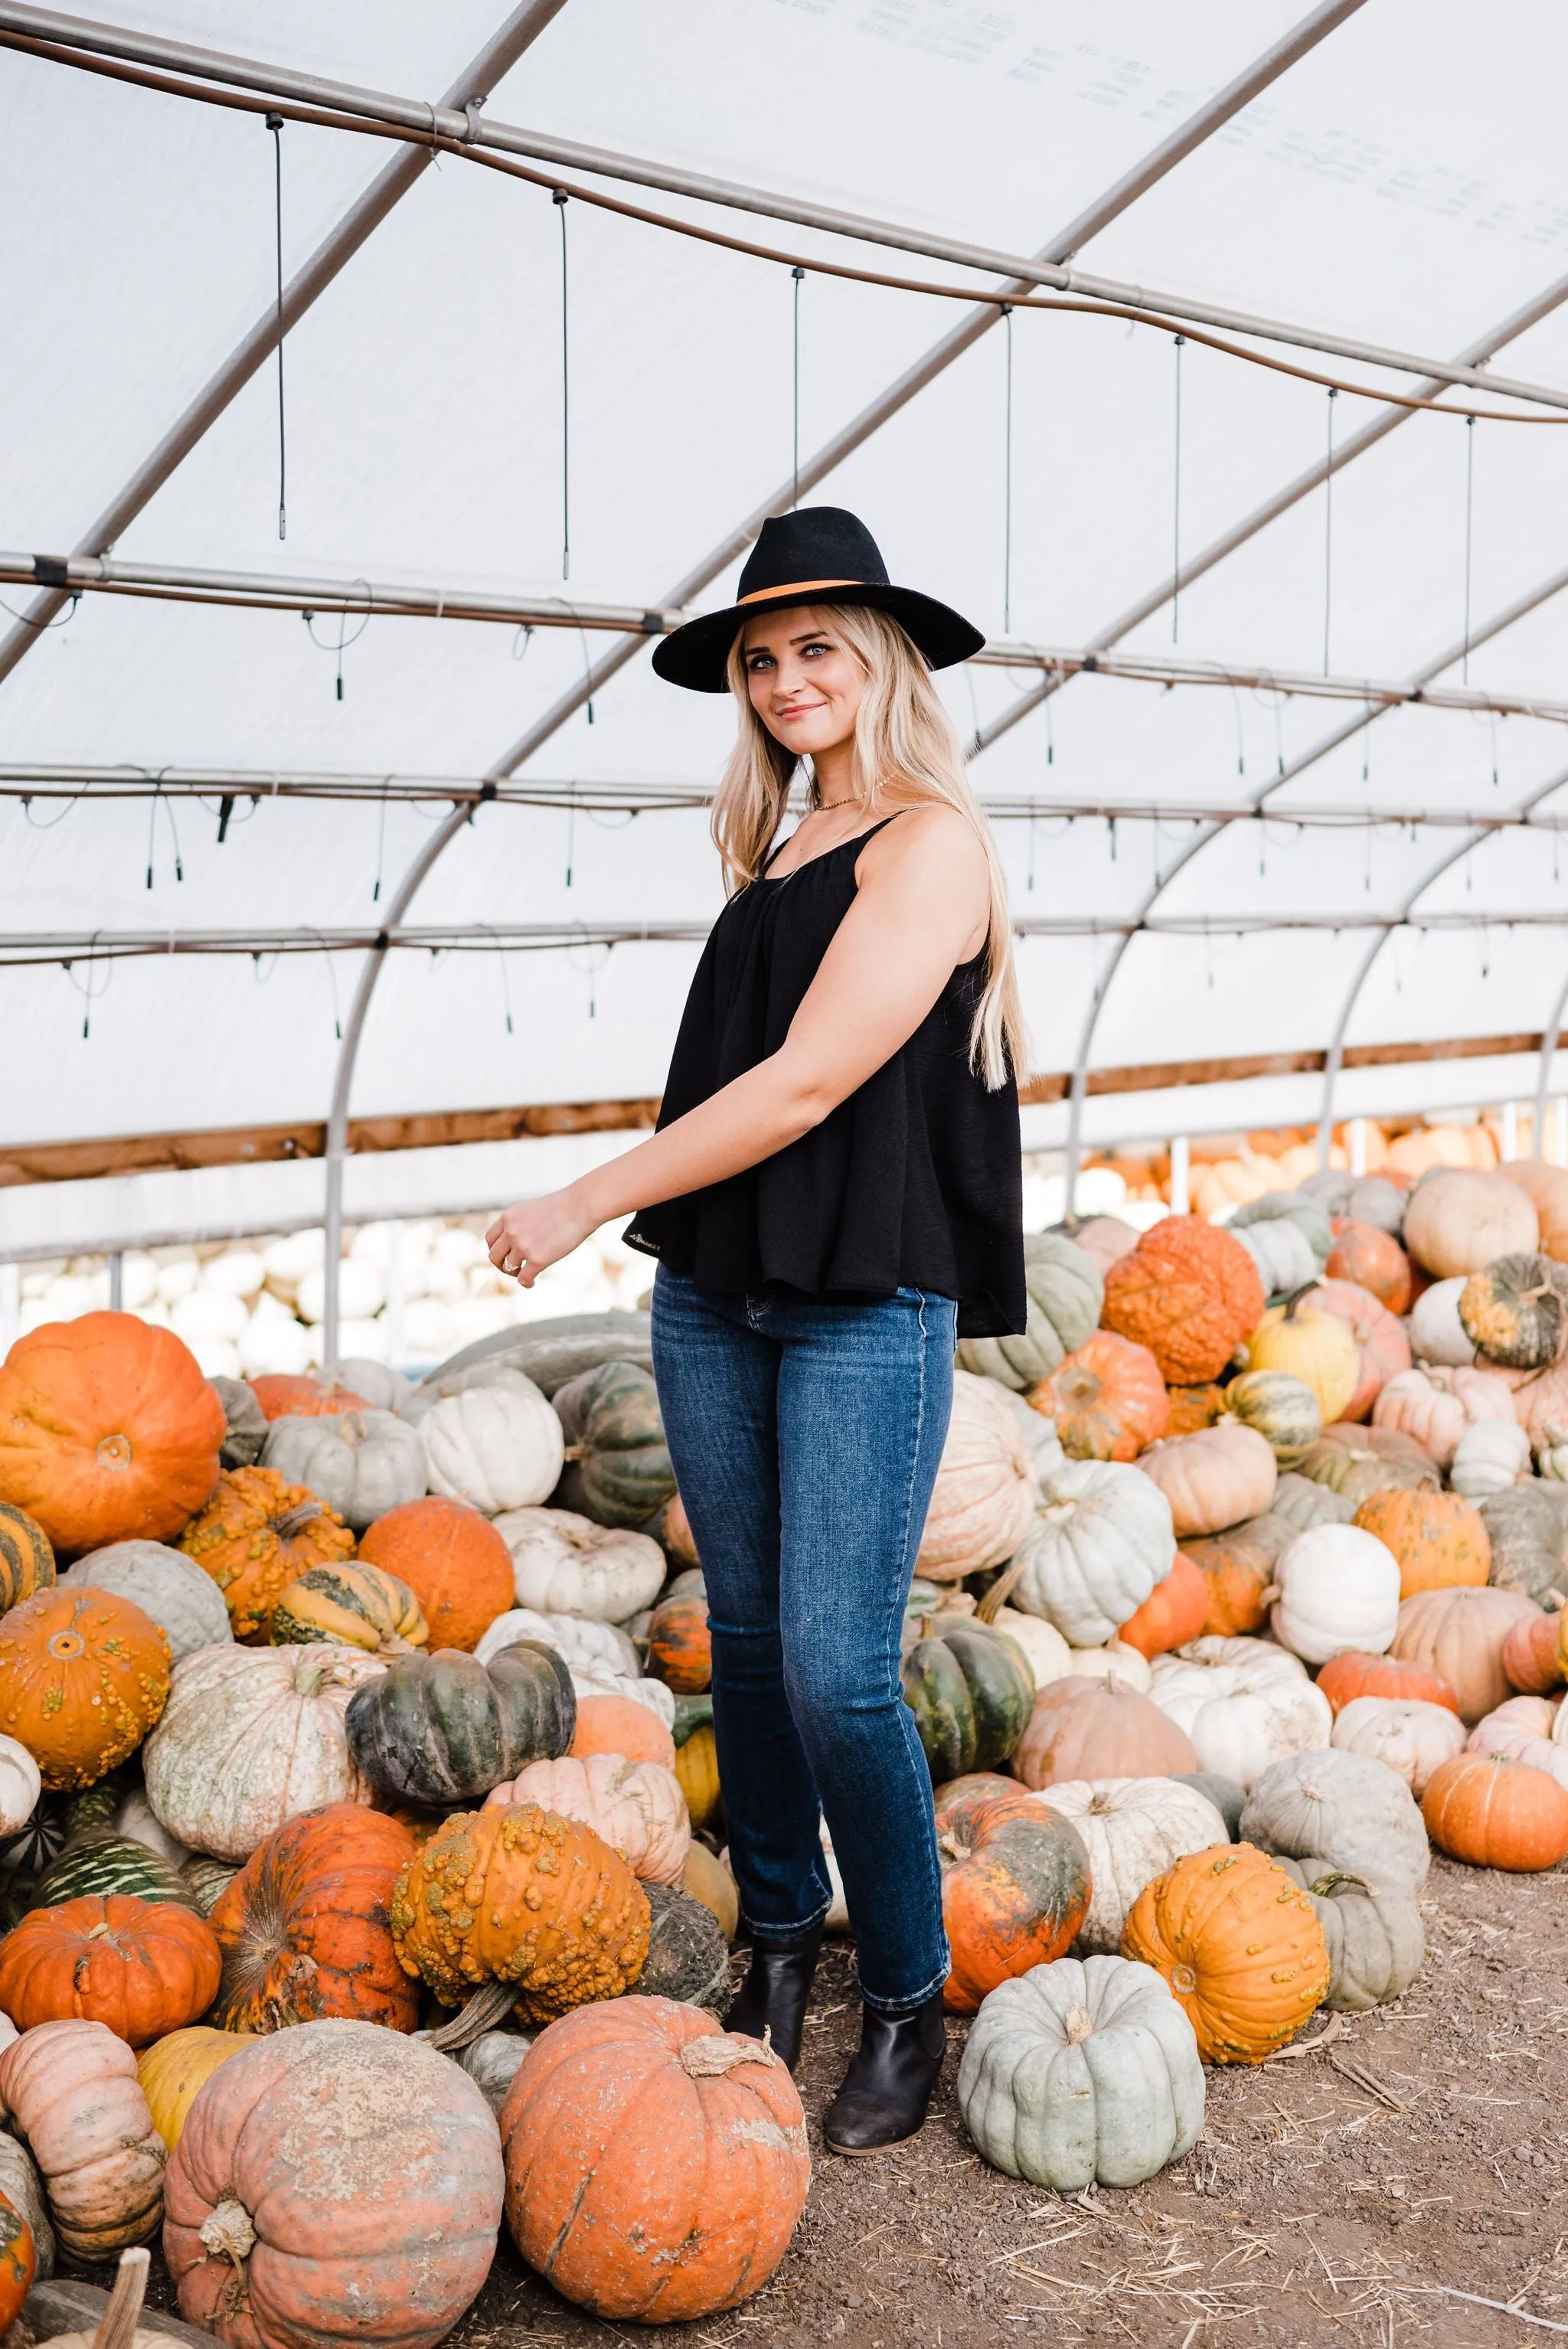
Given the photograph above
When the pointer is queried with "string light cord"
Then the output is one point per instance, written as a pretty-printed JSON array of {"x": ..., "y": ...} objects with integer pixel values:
[
  {"x": 441, "y": 144},
  {"x": 275, "y": 122}
]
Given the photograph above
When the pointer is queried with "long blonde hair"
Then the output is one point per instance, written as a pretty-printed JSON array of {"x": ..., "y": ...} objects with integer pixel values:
[{"x": 903, "y": 735}]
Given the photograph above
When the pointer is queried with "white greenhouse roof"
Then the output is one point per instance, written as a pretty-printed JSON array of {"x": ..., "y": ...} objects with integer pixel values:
[{"x": 1396, "y": 183}]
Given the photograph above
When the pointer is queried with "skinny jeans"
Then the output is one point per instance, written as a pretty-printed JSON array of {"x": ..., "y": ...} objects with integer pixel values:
[{"x": 805, "y": 1438}]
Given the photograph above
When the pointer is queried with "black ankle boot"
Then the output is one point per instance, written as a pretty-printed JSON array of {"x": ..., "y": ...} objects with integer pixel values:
[
  {"x": 887, "y": 2085},
  {"x": 774, "y": 1995}
]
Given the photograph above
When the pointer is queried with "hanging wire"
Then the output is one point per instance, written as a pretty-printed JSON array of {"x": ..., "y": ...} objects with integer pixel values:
[
  {"x": 380, "y": 845},
  {"x": 1176, "y": 505},
  {"x": 798, "y": 274},
  {"x": 1007, "y": 482},
  {"x": 559, "y": 201},
  {"x": 159, "y": 802},
  {"x": 344, "y": 640},
  {"x": 571, "y": 835},
  {"x": 1329, "y": 531},
  {"x": 275, "y": 125},
  {"x": 43, "y": 626},
  {"x": 1469, "y": 501},
  {"x": 90, "y": 993},
  {"x": 1241, "y": 736}
]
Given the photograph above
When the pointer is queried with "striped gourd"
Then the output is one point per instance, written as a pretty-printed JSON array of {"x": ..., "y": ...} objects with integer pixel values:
[
  {"x": 109, "y": 1863},
  {"x": 359, "y": 1605},
  {"x": 27, "y": 1557},
  {"x": 204, "y": 1880}
]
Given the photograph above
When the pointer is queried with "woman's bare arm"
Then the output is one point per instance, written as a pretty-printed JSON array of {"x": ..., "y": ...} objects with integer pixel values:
[{"x": 920, "y": 909}]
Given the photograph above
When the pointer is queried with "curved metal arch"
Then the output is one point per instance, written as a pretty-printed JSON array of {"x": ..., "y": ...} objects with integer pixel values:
[
  {"x": 1549, "y": 1040},
  {"x": 1446, "y": 864},
  {"x": 1337, "y": 736}
]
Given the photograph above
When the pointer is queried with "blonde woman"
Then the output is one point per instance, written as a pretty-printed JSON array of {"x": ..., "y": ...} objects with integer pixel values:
[{"x": 833, "y": 1197}]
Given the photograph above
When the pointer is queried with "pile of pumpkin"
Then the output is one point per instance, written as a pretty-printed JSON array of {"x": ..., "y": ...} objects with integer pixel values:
[{"x": 352, "y": 1863}]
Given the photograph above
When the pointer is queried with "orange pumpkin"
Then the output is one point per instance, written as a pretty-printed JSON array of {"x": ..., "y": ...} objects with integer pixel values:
[
  {"x": 27, "y": 1557},
  {"x": 452, "y": 1559},
  {"x": 1095, "y": 1729},
  {"x": 675, "y": 1533},
  {"x": 1547, "y": 1190},
  {"x": 258, "y": 1532},
  {"x": 680, "y": 1648},
  {"x": 655, "y": 2166},
  {"x": 285, "y": 1396},
  {"x": 1531, "y": 1654},
  {"x": 1439, "y": 1539},
  {"x": 1497, "y": 1813},
  {"x": 305, "y": 1930},
  {"x": 1382, "y": 1349},
  {"x": 142, "y": 1966},
  {"x": 1239, "y": 1946},
  {"x": 1190, "y": 1408},
  {"x": 1188, "y": 1291},
  {"x": 1373, "y": 1259},
  {"x": 333, "y": 2183},
  {"x": 1351, "y": 1674},
  {"x": 1107, "y": 1400},
  {"x": 18, "y": 2260},
  {"x": 1459, "y": 1634},
  {"x": 621, "y": 1725},
  {"x": 1015, "y": 1885},
  {"x": 83, "y": 1677},
  {"x": 534, "y": 1908},
  {"x": 1175, "y": 1612},
  {"x": 1237, "y": 1569},
  {"x": 108, "y": 1431}
]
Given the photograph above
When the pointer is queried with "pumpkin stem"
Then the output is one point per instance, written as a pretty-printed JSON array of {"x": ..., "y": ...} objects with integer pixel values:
[
  {"x": 1001, "y": 1590},
  {"x": 1078, "y": 2025},
  {"x": 489, "y": 2006},
  {"x": 228, "y": 2233},
  {"x": 291, "y": 1520},
  {"x": 574, "y": 1451},
  {"x": 709, "y": 2058},
  {"x": 1291, "y": 1302},
  {"x": 117, "y": 2325}
]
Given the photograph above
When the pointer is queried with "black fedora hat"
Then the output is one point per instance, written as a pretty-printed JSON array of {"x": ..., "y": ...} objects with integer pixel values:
[{"x": 818, "y": 555}]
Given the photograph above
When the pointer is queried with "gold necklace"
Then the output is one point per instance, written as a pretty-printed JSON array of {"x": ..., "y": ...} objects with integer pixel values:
[{"x": 855, "y": 799}]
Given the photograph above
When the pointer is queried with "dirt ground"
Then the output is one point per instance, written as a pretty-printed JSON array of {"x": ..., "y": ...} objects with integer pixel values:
[{"x": 1331, "y": 2196}]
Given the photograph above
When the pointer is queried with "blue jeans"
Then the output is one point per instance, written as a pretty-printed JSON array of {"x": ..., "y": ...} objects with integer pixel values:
[{"x": 805, "y": 1438}]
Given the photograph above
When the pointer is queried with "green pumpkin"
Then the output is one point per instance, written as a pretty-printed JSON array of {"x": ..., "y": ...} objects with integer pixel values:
[
  {"x": 1283, "y": 1410},
  {"x": 550, "y": 1352},
  {"x": 688, "y": 1957},
  {"x": 1356, "y": 1461},
  {"x": 1223, "y": 1792},
  {"x": 971, "y": 1692},
  {"x": 204, "y": 1880},
  {"x": 618, "y": 1471},
  {"x": 443, "y": 1728},
  {"x": 247, "y": 1423},
  {"x": 1302, "y": 1502},
  {"x": 1375, "y": 1938},
  {"x": 104, "y": 1864},
  {"x": 91, "y": 1811},
  {"x": 27, "y": 1557},
  {"x": 1066, "y": 1289},
  {"x": 1528, "y": 1542},
  {"x": 1309, "y": 1216},
  {"x": 691, "y": 1714}
]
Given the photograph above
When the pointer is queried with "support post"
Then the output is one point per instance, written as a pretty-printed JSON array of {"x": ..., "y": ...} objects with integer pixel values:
[
  {"x": 1181, "y": 1176},
  {"x": 1509, "y": 1132},
  {"x": 116, "y": 1281},
  {"x": 1550, "y": 1034},
  {"x": 1358, "y": 1145}
]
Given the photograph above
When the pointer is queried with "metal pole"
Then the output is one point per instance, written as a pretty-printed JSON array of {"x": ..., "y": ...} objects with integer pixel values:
[
  {"x": 1117, "y": 199},
  {"x": 416, "y": 117},
  {"x": 521, "y": 28},
  {"x": 116, "y": 1281},
  {"x": 1550, "y": 1034}
]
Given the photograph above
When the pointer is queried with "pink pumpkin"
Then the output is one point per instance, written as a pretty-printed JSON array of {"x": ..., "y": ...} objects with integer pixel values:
[
  {"x": 1435, "y": 1405},
  {"x": 1381, "y": 1345},
  {"x": 636, "y": 1807}
]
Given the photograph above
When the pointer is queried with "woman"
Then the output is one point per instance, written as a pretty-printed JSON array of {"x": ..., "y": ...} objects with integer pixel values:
[{"x": 833, "y": 1194}]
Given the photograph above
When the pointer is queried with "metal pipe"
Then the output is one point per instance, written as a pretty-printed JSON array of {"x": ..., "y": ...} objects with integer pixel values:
[
  {"x": 115, "y": 1280},
  {"x": 418, "y": 118},
  {"x": 1549, "y": 1038},
  {"x": 521, "y": 28}
]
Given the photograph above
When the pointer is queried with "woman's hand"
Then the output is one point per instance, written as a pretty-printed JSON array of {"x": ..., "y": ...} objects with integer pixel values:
[{"x": 527, "y": 1238}]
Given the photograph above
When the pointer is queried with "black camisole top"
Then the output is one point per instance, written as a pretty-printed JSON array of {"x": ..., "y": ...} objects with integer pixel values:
[{"x": 915, "y": 1181}]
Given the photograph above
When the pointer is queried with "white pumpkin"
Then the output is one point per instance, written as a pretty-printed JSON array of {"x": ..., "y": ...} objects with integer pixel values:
[
  {"x": 837, "y": 1920},
  {"x": 251, "y": 1737},
  {"x": 602, "y": 1681},
  {"x": 1041, "y": 1441},
  {"x": 1077, "y": 2073},
  {"x": 498, "y": 1448},
  {"x": 1524, "y": 1728},
  {"x": 1408, "y": 1736},
  {"x": 382, "y": 1388},
  {"x": 1552, "y": 1460},
  {"x": 1492, "y": 1457},
  {"x": 167, "y": 1585},
  {"x": 1437, "y": 1333},
  {"x": 1117, "y": 1664},
  {"x": 1283, "y": 1254},
  {"x": 587, "y": 1646},
  {"x": 21, "y": 1787},
  {"x": 1244, "y": 1704},
  {"x": 1346, "y": 1809},
  {"x": 985, "y": 1487},
  {"x": 563, "y": 1564},
  {"x": 1133, "y": 1830},
  {"x": 360, "y": 1463},
  {"x": 637, "y": 1808},
  {"x": 1049, "y": 1656},
  {"x": 1095, "y": 1550},
  {"x": 1338, "y": 1588},
  {"x": 137, "y": 1821}
]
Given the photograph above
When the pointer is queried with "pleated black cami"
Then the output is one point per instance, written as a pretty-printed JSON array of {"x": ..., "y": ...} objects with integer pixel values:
[{"x": 915, "y": 1181}]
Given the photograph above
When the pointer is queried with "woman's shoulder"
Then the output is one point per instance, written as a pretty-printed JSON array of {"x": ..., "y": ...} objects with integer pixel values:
[{"x": 925, "y": 835}]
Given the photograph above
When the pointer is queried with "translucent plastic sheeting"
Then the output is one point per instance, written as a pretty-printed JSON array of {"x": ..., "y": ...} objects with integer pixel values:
[{"x": 1398, "y": 184}]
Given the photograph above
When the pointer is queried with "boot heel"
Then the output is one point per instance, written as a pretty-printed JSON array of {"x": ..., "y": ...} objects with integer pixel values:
[{"x": 887, "y": 2089}]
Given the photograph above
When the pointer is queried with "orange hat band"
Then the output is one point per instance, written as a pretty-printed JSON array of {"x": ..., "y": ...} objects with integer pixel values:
[{"x": 797, "y": 587}]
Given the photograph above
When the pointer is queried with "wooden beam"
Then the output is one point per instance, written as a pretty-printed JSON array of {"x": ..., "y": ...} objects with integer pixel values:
[{"x": 75, "y": 1161}]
